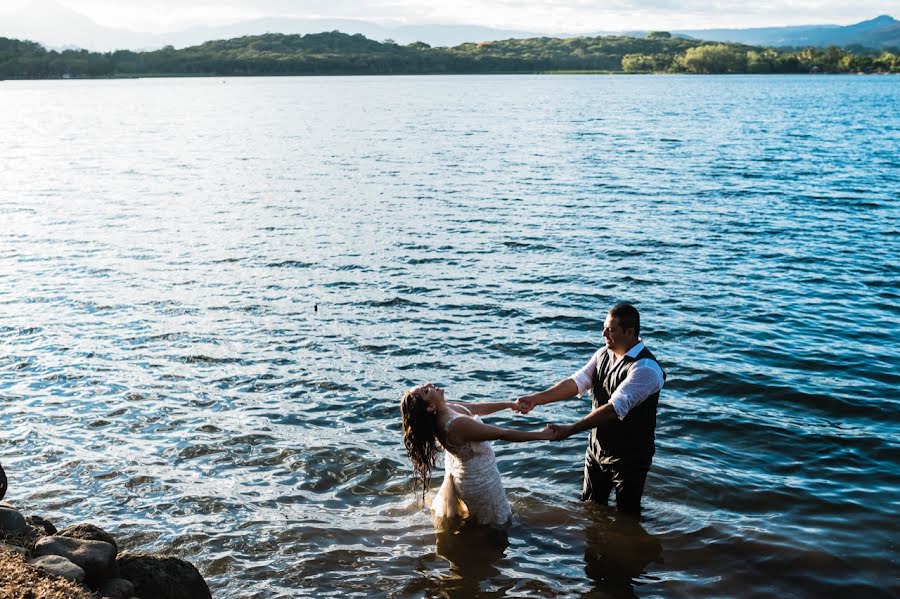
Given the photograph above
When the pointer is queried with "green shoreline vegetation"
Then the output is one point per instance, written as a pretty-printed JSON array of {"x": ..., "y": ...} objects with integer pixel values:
[{"x": 338, "y": 53}]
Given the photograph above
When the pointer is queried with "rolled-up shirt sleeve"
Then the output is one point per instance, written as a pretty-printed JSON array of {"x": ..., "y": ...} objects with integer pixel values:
[
  {"x": 584, "y": 378},
  {"x": 644, "y": 379}
]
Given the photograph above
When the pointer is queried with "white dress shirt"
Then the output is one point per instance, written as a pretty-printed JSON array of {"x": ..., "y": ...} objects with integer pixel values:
[{"x": 644, "y": 379}]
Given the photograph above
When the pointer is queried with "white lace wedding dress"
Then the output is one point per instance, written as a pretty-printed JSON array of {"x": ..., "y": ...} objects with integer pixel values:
[{"x": 471, "y": 489}]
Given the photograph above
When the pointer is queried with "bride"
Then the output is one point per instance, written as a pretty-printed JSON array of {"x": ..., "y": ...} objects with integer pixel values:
[{"x": 472, "y": 490}]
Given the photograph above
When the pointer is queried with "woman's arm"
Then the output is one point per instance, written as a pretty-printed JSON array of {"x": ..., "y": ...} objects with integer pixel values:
[
  {"x": 487, "y": 407},
  {"x": 463, "y": 430}
]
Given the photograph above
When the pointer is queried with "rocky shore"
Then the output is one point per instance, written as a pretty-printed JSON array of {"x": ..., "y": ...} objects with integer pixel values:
[{"x": 83, "y": 560}]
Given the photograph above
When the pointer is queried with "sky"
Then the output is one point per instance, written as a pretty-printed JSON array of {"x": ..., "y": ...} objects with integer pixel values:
[{"x": 550, "y": 16}]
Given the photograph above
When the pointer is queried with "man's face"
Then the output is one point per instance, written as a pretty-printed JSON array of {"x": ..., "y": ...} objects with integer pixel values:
[{"x": 617, "y": 339}]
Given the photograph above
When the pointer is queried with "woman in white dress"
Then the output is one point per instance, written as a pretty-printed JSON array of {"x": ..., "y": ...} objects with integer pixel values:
[{"x": 472, "y": 490}]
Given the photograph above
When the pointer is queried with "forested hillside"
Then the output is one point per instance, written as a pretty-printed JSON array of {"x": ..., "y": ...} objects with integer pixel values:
[{"x": 337, "y": 53}]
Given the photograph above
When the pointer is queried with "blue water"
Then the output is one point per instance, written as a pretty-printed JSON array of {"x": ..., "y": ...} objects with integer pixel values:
[{"x": 212, "y": 293}]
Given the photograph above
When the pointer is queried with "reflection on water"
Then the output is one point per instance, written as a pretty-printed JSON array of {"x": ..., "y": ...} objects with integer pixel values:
[
  {"x": 617, "y": 552},
  {"x": 482, "y": 561},
  {"x": 474, "y": 554}
]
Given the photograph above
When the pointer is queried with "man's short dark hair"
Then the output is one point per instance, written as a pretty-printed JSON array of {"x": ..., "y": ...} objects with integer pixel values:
[{"x": 628, "y": 317}]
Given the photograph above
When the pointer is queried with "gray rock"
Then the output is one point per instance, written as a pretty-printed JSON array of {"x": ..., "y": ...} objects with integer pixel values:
[
  {"x": 96, "y": 558},
  {"x": 88, "y": 532},
  {"x": 162, "y": 576},
  {"x": 39, "y": 522},
  {"x": 13, "y": 548},
  {"x": 11, "y": 520},
  {"x": 116, "y": 588},
  {"x": 59, "y": 566}
]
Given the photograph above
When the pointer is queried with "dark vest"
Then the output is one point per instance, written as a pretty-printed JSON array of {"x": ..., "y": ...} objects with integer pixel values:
[{"x": 633, "y": 438}]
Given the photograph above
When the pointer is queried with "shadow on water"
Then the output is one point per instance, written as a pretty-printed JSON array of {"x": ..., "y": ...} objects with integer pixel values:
[
  {"x": 480, "y": 562},
  {"x": 475, "y": 554},
  {"x": 617, "y": 552}
]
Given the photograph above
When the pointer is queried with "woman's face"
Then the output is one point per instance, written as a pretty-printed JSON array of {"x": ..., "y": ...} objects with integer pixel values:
[{"x": 432, "y": 395}]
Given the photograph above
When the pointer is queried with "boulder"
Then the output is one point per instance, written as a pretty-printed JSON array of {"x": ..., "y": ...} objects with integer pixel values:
[
  {"x": 88, "y": 532},
  {"x": 58, "y": 566},
  {"x": 39, "y": 522},
  {"x": 116, "y": 588},
  {"x": 20, "y": 580},
  {"x": 13, "y": 548},
  {"x": 162, "y": 577},
  {"x": 96, "y": 558},
  {"x": 11, "y": 520}
]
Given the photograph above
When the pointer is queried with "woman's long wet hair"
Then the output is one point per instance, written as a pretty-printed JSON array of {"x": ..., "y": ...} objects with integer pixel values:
[{"x": 420, "y": 438}]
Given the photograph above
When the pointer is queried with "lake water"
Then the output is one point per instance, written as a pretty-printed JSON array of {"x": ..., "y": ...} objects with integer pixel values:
[{"x": 212, "y": 293}]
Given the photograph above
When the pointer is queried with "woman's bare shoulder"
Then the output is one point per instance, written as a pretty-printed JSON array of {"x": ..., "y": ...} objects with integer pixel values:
[
  {"x": 445, "y": 423},
  {"x": 459, "y": 408}
]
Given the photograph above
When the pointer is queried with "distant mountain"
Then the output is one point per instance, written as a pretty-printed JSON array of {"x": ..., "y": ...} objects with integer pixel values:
[
  {"x": 56, "y": 26},
  {"x": 881, "y": 32}
]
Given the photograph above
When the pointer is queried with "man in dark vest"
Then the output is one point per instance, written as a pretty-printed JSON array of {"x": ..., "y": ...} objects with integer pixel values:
[{"x": 625, "y": 380}]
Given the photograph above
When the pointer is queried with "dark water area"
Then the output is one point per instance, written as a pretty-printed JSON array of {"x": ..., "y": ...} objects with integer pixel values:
[{"x": 212, "y": 293}]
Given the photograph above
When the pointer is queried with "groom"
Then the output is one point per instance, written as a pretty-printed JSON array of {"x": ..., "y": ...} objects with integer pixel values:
[{"x": 625, "y": 380}]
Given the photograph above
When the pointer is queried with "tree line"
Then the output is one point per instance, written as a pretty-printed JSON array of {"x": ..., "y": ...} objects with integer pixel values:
[{"x": 338, "y": 53}]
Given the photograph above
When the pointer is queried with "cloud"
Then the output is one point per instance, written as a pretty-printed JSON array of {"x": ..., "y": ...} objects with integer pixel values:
[
  {"x": 589, "y": 15},
  {"x": 533, "y": 15}
]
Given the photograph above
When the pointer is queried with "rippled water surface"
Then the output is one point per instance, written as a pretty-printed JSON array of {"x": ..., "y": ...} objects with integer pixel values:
[{"x": 212, "y": 293}]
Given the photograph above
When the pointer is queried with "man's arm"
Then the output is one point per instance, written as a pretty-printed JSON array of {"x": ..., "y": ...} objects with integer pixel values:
[
  {"x": 602, "y": 415},
  {"x": 644, "y": 379},
  {"x": 564, "y": 389}
]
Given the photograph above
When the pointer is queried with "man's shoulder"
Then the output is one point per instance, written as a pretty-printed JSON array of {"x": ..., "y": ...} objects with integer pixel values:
[
  {"x": 645, "y": 353},
  {"x": 600, "y": 355},
  {"x": 646, "y": 359}
]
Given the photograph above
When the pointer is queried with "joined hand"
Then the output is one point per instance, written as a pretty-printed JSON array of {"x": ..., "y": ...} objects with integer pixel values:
[
  {"x": 523, "y": 405},
  {"x": 561, "y": 431}
]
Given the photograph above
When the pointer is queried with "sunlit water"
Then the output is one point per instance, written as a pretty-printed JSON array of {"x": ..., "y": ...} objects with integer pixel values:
[{"x": 212, "y": 293}]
